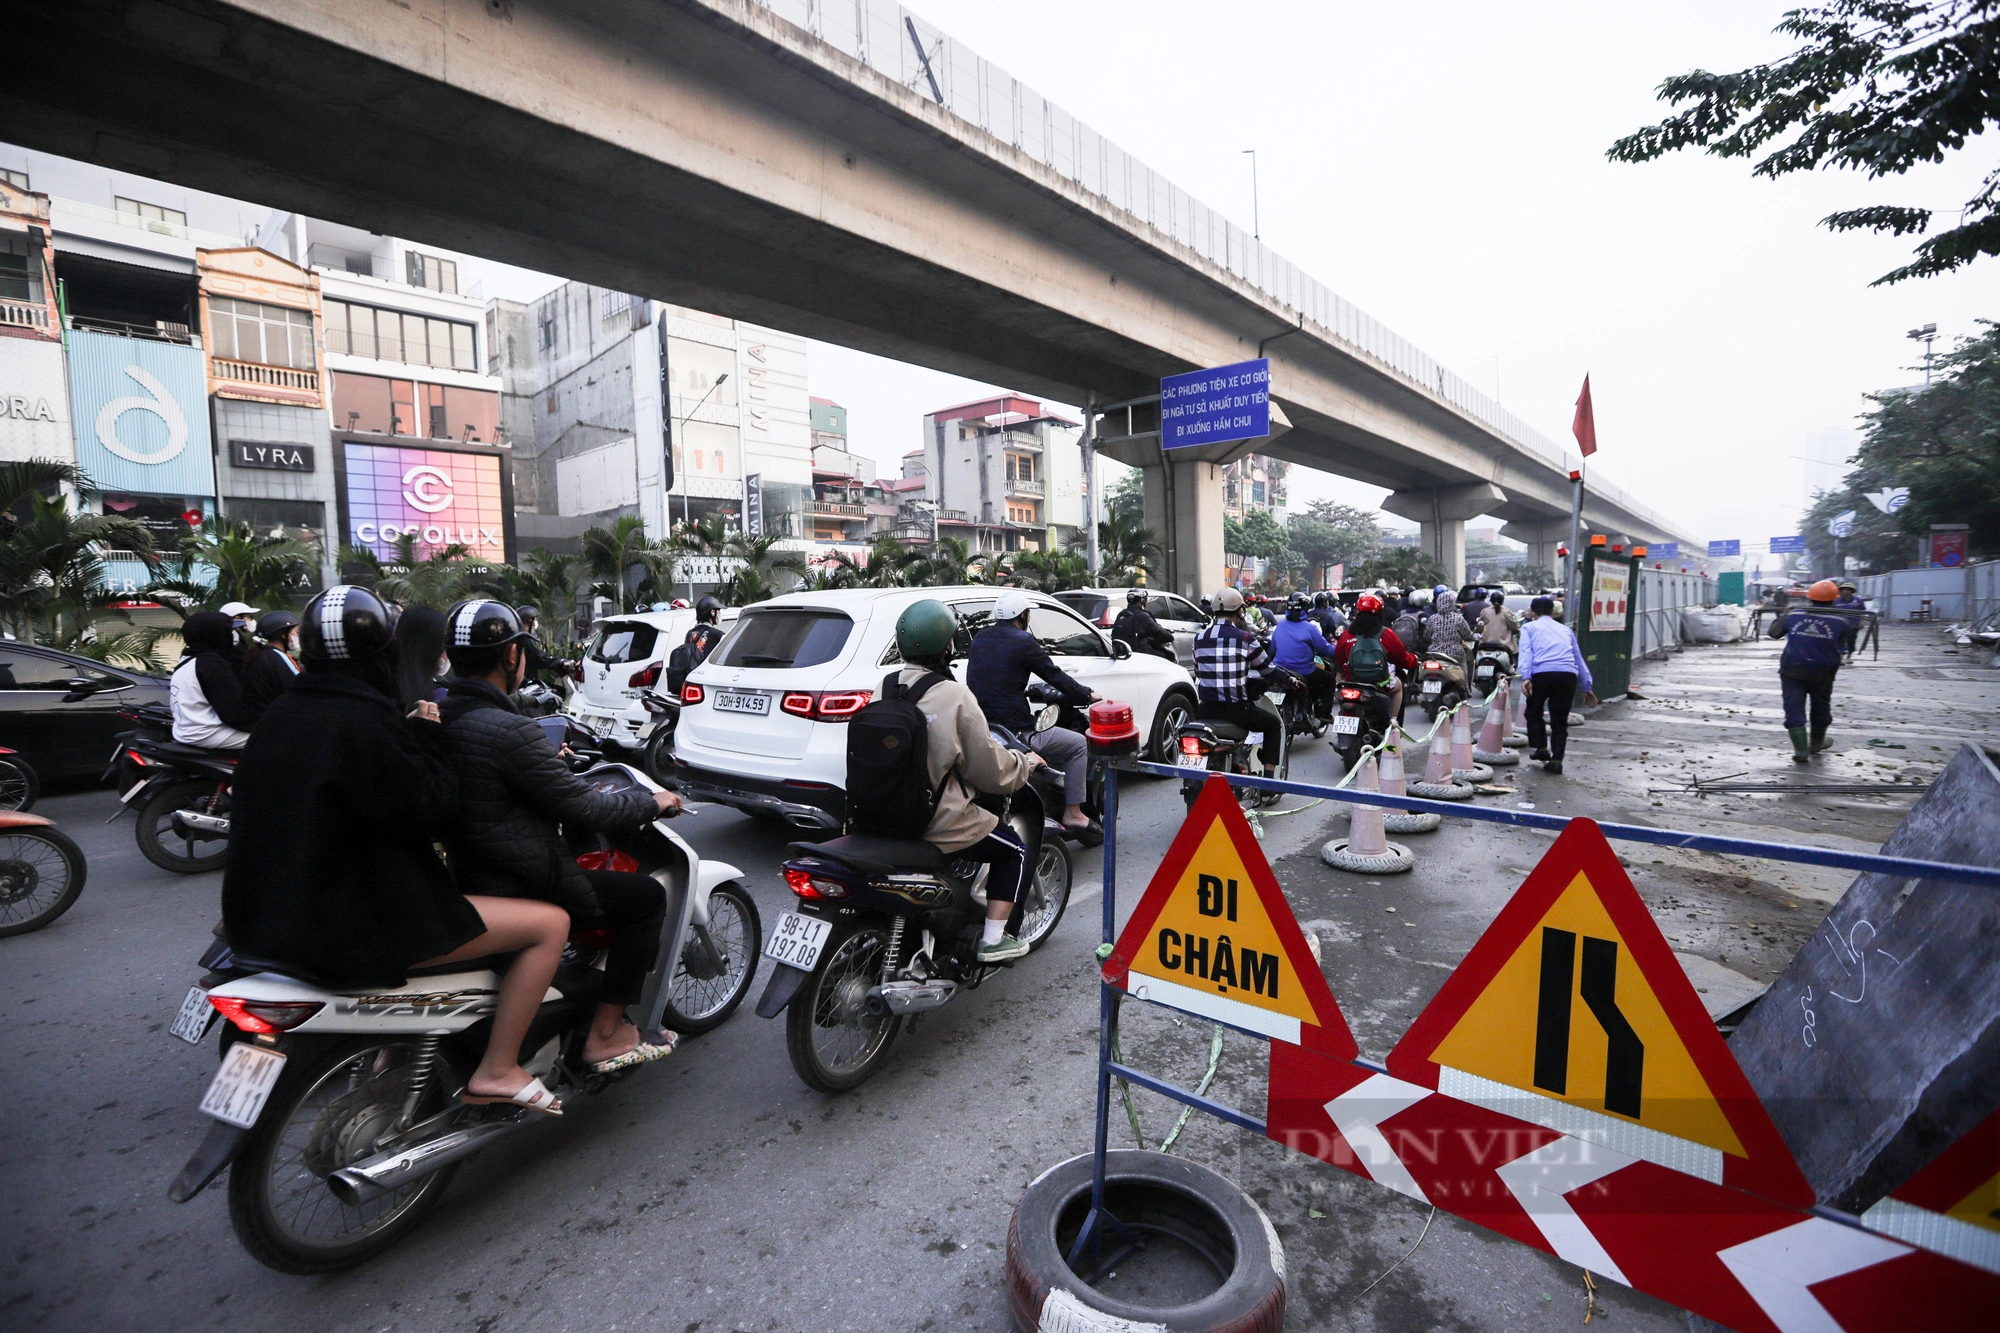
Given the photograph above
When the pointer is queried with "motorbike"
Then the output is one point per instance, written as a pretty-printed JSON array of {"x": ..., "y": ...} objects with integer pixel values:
[
  {"x": 181, "y": 793},
  {"x": 1223, "y": 747},
  {"x": 20, "y": 785},
  {"x": 658, "y": 756},
  {"x": 336, "y": 1111},
  {"x": 1361, "y": 718},
  {"x": 1436, "y": 691},
  {"x": 1296, "y": 707},
  {"x": 41, "y": 872},
  {"x": 1050, "y": 710},
  {"x": 887, "y": 930},
  {"x": 1489, "y": 664}
]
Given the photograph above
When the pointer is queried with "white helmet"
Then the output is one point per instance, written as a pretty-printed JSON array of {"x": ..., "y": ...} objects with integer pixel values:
[{"x": 1013, "y": 603}]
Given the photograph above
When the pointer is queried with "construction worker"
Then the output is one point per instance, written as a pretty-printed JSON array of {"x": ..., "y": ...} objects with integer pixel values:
[
  {"x": 1813, "y": 636},
  {"x": 1855, "y": 608}
]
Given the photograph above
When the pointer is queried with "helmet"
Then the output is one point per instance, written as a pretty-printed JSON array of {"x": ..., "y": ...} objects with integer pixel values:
[
  {"x": 1322, "y": 599},
  {"x": 1013, "y": 604},
  {"x": 1848, "y": 585},
  {"x": 527, "y": 613},
  {"x": 1439, "y": 591},
  {"x": 276, "y": 624},
  {"x": 345, "y": 624},
  {"x": 1133, "y": 595},
  {"x": 924, "y": 631},
  {"x": 1368, "y": 601},
  {"x": 234, "y": 609},
  {"x": 483, "y": 624},
  {"x": 1823, "y": 591},
  {"x": 1297, "y": 605},
  {"x": 1497, "y": 597},
  {"x": 1228, "y": 601},
  {"x": 708, "y": 608},
  {"x": 679, "y": 604}
]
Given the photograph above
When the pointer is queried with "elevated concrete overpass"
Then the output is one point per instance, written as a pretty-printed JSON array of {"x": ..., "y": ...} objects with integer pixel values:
[{"x": 841, "y": 171}]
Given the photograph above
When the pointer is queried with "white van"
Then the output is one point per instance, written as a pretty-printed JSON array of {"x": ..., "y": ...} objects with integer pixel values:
[{"x": 628, "y": 653}]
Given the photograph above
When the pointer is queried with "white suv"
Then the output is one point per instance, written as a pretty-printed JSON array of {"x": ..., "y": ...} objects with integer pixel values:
[
  {"x": 628, "y": 653},
  {"x": 760, "y": 725}
]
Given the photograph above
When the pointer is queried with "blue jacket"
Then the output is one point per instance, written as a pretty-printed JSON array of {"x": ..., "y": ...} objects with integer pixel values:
[
  {"x": 1813, "y": 640},
  {"x": 997, "y": 670},
  {"x": 1297, "y": 643}
]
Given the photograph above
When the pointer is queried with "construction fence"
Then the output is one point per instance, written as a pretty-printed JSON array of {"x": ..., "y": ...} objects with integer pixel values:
[
  {"x": 1658, "y": 601},
  {"x": 1971, "y": 592}
]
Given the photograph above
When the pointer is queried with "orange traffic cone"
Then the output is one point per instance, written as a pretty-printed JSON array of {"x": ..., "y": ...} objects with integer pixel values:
[
  {"x": 1438, "y": 783},
  {"x": 1365, "y": 849},
  {"x": 1516, "y": 737},
  {"x": 1464, "y": 768},
  {"x": 1491, "y": 735},
  {"x": 1401, "y": 821}
]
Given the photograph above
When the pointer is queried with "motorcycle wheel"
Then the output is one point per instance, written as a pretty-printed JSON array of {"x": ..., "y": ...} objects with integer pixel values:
[
  {"x": 331, "y": 1107},
  {"x": 41, "y": 873},
  {"x": 19, "y": 787},
  {"x": 1048, "y": 894},
  {"x": 157, "y": 838},
  {"x": 834, "y": 1043},
  {"x": 698, "y": 1004}
]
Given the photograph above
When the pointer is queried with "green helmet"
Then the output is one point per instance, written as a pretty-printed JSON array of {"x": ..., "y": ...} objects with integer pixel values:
[{"x": 924, "y": 631}]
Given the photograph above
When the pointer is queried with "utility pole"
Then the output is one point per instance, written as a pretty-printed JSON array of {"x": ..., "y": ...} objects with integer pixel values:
[
  {"x": 1090, "y": 482},
  {"x": 1573, "y": 576},
  {"x": 1925, "y": 335},
  {"x": 1256, "y": 222}
]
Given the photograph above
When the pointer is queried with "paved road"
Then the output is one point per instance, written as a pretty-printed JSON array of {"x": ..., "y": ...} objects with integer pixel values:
[{"x": 717, "y": 1193}]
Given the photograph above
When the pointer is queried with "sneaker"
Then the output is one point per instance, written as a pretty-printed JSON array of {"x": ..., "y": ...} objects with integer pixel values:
[
  {"x": 1007, "y": 950},
  {"x": 1540, "y": 756},
  {"x": 1554, "y": 766}
]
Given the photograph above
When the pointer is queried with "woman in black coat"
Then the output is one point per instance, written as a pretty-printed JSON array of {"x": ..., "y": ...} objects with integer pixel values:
[{"x": 333, "y": 868}]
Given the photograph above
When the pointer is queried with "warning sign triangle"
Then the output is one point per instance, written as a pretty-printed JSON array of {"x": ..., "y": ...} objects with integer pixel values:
[
  {"x": 1214, "y": 936},
  {"x": 1572, "y": 1012}
]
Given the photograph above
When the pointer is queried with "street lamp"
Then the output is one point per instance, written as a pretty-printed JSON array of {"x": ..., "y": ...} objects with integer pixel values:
[
  {"x": 1925, "y": 335},
  {"x": 678, "y": 471}
]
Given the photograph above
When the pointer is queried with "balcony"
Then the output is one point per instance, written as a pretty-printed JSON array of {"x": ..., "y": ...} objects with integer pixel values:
[
  {"x": 1017, "y": 486},
  {"x": 23, "y": 314},
  {"x": 1029, "y": 444},
  {"x": 269, "y": 377},
  {"x": 835, "y": 509}
]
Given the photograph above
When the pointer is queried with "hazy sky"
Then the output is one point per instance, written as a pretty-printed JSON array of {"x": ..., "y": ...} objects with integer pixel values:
[{"x": 1443, "y": 167}]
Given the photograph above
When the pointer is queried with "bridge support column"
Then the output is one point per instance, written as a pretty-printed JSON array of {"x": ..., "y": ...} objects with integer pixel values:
[
  {"x": 1440, "y": 513},
  {"x": 1541, "y": 539},
  {"x": 1184, "y": 506}
]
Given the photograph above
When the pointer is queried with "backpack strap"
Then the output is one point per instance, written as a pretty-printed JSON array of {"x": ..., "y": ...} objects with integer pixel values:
[{"x": 924, "y": 684}]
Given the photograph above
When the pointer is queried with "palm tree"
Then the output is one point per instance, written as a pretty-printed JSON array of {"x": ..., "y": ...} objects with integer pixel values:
[
  {"x": 750, "y": 581},
  {"x": 262, "y": 571},
  {"x": 1050, "y": 571},
  {"x": 626, "y": 565},
  {"x": 946, "y": 562},
  {"x": 707, "y": 535},
  {"x": 1125, "y": 548},
  {"x": 52, "y": 574},
  {"x": 448, "y": 574}
]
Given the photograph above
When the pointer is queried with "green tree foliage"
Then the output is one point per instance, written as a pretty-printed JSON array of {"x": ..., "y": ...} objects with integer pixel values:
[
  {"x": 265, "y": 572},
  {"x": 1050, "y": 571},
  {"x": 762, "y": 569},
  {"x": 1127, "y": 499},
  {"x": 1256, "y": 536},
  {"x": 946, "y": 562},
  {"x": 888, "y": 566},
  {"x": 1124, "y": 549},
  {"x": 445, "y": 575},
  {"x": 546, "y": 581},
  {"x": 1331, "y": 534},
  {"x": 1875, "y": 86},
  {"x": 52, "y": 575},
  {"x": 1397, "y": 567},
  {"x": 632, "y": 569},
  {"x": 1943, "y": 442}
]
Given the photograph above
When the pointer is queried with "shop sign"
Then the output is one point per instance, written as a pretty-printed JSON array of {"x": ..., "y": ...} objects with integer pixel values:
[
  {"x": 440, "y": 497},
  {"x": 141, "y": 409},
  {"x": 34, "y": 407},
  {"x": 278, "y": 457}
]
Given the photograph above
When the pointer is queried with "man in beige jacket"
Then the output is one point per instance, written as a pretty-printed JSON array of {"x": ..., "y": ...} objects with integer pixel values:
[{"x": 965, "y": 760}]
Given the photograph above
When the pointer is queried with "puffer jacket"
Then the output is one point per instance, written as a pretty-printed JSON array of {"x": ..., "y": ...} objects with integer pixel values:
[{"x": 513, "y": 789}]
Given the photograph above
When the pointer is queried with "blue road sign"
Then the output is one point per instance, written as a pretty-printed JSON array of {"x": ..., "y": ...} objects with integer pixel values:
[
  {"x": 1787, "y": 545},
  {"x": 1216, "y": 406},
  {"x": 1664, "y": 550},
  {"x": 1734, "y": 546}
]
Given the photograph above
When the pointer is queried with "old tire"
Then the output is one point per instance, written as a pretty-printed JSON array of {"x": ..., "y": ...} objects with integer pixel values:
[
  {"x": 1441, "y": 791},
  {"x": 1218, "y": 1233},
  {"x": 1395, "y": 861},
  {"x": 1406, "y": 821}
]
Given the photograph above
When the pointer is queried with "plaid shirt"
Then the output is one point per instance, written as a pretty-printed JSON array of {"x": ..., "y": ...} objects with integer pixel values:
[{"x": 1227, "y": 659}]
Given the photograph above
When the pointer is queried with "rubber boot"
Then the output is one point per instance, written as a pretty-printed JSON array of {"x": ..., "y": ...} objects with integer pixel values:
[
  {"x": 1819, "y": 740},
  {"x": 1801, "y": 751}
]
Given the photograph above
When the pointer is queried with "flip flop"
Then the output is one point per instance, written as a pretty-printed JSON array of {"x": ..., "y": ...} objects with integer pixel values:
[
  {"x": 644, "y": 1053},
  {"x": 532, "y": 1096}
]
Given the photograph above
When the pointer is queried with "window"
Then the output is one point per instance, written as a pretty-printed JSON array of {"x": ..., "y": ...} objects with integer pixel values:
[
  {"x": 616, "y": 304},
  {"x": 784, "y": 637},
  {"x": 440, "y": 275},
  {"x": 692, "y": 372},
  {"x": 29, "y": 671},
  {"x": 1063, "y": 634},
  {"x": 547, "y": 326},
  {"x": 390, "y": 335},
  {"x": 269, "y": 335},
  {"x": 624, "y": 641},
  {"x": 151, "y": 216},
  {"x": 300, "y": 520},
  {"x": 20, "y": 269},
  {"x": 17, "y": 179},
  {"x": 1021, "y": 513},
  {"x": 1020, "y": 467}
]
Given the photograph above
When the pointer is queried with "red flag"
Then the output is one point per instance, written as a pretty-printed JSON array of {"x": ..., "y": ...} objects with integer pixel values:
[{"x": 1585, "y": 425}]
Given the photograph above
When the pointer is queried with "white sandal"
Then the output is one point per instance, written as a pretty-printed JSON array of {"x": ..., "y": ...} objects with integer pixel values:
[{"x": 532, "y": 1095}]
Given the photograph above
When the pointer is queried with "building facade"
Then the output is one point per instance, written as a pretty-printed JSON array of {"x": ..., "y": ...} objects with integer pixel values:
[
  {"x": 34, "y": 394},
  {"x": 1002, "y": 474}
]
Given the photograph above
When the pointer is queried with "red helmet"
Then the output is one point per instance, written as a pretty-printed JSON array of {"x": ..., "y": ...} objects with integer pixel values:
[{"x": 1368, "y": 601}]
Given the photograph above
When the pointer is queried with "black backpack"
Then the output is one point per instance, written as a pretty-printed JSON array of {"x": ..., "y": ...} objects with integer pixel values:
[
  {"x": 889, "y": 791},
  {"x": 694, "y": 650}
]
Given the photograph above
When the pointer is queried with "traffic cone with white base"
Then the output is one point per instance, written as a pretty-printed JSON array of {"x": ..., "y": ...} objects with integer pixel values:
[
  {"x": 1401, "y": 821},
  {"x": 1437, "y": 783},
  {"x": 1365, "y": 850},
  {"x": 1516, "y": 735},
  {"x": 1491, "y": 736},
  {"x": 1464, "y": 768}
]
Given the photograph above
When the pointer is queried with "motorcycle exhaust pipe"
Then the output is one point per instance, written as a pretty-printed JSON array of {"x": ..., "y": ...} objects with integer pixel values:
[
  {"x": 896, "y": 998},
  {"x": 187, "y": 821},
  {"x": 373, "y": 1177}
]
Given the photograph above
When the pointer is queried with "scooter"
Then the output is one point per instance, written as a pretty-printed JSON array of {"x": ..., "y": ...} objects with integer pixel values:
[
  {"x": 1437, "y": 692},
  {"x": 1361, "y": 719},
  {"x": 887, "y": 930},
  {"x": 337, "y": 1112},
  {"x": 1297, "y": 709},
  {"x": 1489, "y": 664},
  {"x": 181, "y": 793},
  {"x": 1052, "y": 710},
  {"x": 1224, "y": 747},
  {"x": 658, "y": 756}
]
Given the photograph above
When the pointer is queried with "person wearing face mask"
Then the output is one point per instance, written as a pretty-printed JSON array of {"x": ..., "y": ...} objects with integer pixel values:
[
  {"x": 243, "y": 618},
  {"x": 273, "y": 663},
  {"x": 206, "y": 691}
]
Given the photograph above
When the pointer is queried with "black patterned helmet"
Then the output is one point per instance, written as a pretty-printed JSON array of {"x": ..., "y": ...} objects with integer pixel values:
[
  {"x": 482, "y": 624},
  {"x": 346, "y": 624}
]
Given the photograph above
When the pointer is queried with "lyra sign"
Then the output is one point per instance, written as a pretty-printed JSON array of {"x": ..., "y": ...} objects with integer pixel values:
[
  {"x": 141, "y": 413},
  {"x": 278, "y": 457},
  {"x": 1216, "y": 406}
]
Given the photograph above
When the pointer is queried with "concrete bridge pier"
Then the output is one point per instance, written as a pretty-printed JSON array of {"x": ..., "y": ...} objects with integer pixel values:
[
  {"x": 1541, "y": 538},
  {"x": 1440, "y": 513},
  {"x": 1184, "y": 505}
]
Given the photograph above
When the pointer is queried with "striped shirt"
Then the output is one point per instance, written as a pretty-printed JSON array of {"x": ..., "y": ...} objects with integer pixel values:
[{"x": 1227, "y": 659}]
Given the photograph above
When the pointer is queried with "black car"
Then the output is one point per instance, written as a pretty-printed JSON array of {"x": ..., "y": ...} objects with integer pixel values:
[{"x": 61, "y": 711}]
